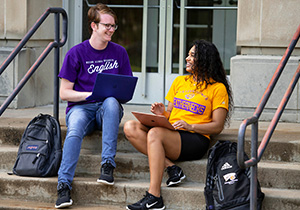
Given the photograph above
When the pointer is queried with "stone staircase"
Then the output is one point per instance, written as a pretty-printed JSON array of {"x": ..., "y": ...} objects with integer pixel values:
[{"x": 278, "y": 173}]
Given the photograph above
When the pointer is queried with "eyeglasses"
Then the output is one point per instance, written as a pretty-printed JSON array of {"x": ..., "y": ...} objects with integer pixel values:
[{"x": 109, "y": 26}]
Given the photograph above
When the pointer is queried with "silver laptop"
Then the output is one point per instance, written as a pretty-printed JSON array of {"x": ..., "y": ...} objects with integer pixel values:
[{"x": 152, "y": 120}]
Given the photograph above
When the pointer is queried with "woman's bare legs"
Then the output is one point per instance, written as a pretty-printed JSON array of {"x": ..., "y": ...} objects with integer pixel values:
[
  {"x": 158, "y": 143},
  {"x": 161, "y": 143},
  {"x": 136, "y": 133}
]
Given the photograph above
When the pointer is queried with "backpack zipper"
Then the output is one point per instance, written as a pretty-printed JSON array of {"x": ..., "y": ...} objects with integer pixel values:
[
  {"x": 35, "y": 159},
  {"x": 219, "y": 187}
]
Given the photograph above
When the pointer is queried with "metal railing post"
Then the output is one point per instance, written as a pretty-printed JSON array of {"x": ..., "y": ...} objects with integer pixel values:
[
  {"x": 56, "y": 44},
  {"x": 253, "y": 169},
  {"x": 257, "y": 152},
  {"x": 56, "y": 69}
]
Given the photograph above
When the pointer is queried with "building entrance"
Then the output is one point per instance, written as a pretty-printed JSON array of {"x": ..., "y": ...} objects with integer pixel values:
[{"x": 158, "y": 34}]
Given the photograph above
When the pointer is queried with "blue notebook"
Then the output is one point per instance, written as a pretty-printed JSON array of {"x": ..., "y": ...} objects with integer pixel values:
[{"x": 119, "y": 86}]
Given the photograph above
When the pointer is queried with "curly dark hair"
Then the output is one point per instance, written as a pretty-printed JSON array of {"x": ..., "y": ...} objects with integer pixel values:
[{"x": 208, "y": 69}]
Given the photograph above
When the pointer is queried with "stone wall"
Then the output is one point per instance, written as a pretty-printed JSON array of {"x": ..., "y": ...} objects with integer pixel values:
[
  {"x": 16, "y": 19},
  {"x": 264, "y": 31}
]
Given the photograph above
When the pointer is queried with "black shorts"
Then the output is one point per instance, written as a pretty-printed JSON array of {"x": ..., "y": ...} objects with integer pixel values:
[{"x": 193, "y": 146}]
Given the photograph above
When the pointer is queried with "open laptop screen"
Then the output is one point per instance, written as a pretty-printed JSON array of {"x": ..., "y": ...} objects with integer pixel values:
[{"x": 113, "y": 85}]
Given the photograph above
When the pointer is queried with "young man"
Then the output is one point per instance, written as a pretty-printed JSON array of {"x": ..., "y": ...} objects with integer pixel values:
[{"x": 81, "y": 65}]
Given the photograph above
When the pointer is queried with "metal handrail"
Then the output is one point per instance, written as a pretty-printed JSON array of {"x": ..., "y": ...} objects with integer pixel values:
[
  {"x": 256, "y": 154},
  {"x": 55, "y": 44}
]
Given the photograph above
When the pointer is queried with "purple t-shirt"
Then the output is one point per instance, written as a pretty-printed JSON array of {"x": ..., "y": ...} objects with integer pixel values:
[{"x": 82, "y": 63}]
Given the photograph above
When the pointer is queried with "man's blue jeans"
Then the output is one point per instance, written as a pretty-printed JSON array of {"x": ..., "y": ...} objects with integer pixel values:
[{"x": 82, "y": 120}]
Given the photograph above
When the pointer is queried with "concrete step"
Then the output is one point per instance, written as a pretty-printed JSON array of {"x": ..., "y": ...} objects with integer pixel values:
[
  {"x": 278, "y": 171},
  {"x": 135, "y": 166},
  {"x": 87, "y": 192},
  {"x": 283, "y": 146},
  {"x": 11, "y": 204}
]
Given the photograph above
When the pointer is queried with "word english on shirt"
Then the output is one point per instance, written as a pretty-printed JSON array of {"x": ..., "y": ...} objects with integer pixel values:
[{"x": 103, "y": 67}]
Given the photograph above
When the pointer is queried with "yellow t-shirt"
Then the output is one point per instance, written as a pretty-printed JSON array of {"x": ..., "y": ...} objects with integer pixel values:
[{"x": 195, "y": 107}]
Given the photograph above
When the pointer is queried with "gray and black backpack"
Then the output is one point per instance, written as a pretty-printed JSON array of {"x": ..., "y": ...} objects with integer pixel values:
[
  {"x": 40, "y": 149},
  {"x": 227, "y": 186}
]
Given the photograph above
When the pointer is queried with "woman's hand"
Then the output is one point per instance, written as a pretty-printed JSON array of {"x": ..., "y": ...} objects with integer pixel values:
[
  {"x": 211, "y": 128},
  {"x": 180, "y": 124},
  {"x": 157, "y": 108}
]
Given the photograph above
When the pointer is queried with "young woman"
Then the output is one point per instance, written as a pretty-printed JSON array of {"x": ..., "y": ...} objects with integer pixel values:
[{"x": 199, "y": 105}]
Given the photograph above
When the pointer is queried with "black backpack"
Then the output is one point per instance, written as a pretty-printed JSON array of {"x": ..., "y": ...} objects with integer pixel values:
[
  {"x": 40, "y": 150},
  {"x": 227, "y": 186}
]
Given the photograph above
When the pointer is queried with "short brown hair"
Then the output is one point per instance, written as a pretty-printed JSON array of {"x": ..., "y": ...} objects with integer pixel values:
[{"x": 93, "y": 14}]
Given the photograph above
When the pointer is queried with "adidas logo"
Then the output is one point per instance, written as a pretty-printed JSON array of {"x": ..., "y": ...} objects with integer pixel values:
[{"x": 226, "y": 166}]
